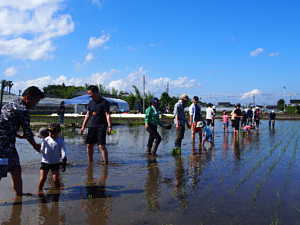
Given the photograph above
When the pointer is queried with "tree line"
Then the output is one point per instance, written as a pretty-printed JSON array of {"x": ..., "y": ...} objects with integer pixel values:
[{"x": 133, "y": 97}]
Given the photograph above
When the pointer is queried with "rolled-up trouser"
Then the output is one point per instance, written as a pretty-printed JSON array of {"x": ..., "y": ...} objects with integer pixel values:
[
  {"x": 179, "y": 136},
  {"x": 153, "y": 136}
]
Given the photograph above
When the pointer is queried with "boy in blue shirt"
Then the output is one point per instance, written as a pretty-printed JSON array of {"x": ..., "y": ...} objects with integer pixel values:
[{"x": 207, "y": 135}]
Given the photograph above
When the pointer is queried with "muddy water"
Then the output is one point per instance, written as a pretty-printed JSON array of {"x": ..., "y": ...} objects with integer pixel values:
[{"x": 251, "y": 180}]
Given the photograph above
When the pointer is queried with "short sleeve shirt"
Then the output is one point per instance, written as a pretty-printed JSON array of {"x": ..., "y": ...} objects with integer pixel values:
[
  {"x": 195, "y": 112},
  {"x": 209, "y": 113},
  {"x": 179, "y": 111},
  {"x": 98, "y": 110},
  {"x": 238, "y": 112}
]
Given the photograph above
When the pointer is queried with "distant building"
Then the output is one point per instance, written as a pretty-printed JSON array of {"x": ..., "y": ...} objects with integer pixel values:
[
  {"x": 295, "y": 102},
  {"x": 225, "y": 104}
]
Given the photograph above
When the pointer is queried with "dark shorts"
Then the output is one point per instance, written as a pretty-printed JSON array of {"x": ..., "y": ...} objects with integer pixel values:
[
  {"x": 47, "y": 167},
  {"x": 236, "y": 124},
  {"x": 96, "y": 135},
  {"x": 209, "y": 122},
  {"x": 13, "y": 163}
]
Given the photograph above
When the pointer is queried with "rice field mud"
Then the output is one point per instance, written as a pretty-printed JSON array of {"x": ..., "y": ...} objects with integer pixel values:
[{"x": 247, "y": 180}]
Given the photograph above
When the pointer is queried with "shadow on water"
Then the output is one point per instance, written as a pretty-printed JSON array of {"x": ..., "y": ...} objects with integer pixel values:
[{"x": 94, "y": 189}]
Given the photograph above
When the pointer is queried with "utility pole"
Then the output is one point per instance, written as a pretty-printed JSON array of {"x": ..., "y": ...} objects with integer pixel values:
[
  {"x": 144, "y": 94},
  {"x": 168, "y": 87},
  {"x": 254, "y": 99}
]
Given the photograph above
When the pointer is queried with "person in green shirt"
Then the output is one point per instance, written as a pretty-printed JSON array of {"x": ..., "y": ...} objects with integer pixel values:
[{"x": 151, "y": 122}]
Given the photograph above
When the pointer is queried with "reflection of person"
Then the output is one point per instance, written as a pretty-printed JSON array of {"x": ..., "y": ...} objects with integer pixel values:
[
  {"x": 61, "y": 112},
  {"x": 195, "y": 118},
  {"x": 180, "y": 182},
  {"x": 53, "y": 149},
  {"x": 49, "y": 208},
  {"x": 236, "y": 147},
  {"x": 100, "y": 124},
  {"x": 15, "y": 216},
  {"x": 14, "y": 115},
  {"x": 151, "y": 123},
  {"x": 96, "y": 205},
  {"x": 225, "y": 145},
  {"x": 152, "y": 185},
  {"x": 180, "y": 120}
]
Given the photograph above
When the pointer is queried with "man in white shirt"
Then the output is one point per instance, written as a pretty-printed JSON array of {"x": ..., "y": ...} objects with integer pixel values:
[
  {"x": 195, "y": 117},
  {"x": 209, "y": 115}
]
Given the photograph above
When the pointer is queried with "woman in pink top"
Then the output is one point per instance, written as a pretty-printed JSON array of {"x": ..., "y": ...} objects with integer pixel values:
[{"x": 225, "y": 120}]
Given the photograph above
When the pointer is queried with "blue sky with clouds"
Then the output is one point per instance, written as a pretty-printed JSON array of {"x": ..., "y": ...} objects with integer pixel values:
[{"x": 220, "y": 50}]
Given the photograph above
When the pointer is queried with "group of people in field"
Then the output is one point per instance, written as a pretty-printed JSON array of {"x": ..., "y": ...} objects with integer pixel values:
[
  {"x": 53, "y": 150},
  {"x": 15, "y": 115},
  {"x": 241, "y": 120}
]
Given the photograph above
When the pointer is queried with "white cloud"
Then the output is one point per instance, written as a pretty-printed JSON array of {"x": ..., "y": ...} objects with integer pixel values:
[
  {"x": 10, "y": 71},
  {"x": 26, "y": 4},
  {"x": 252, "y": 93},
  {"x": 89, "y": 57},
  {"x": 97, "y": 2},
  {"x": 96, "y": 78},
  {"x": 257, "y": 52},
  {"x": 108, "y": 79},
  {"x": 274, "y": 54},
  {"x": 28, "y": 27},
  {"x": 156, "y": 85},
  {"x": 95, "y": 42},
  {"x": 102, "y": 78}
]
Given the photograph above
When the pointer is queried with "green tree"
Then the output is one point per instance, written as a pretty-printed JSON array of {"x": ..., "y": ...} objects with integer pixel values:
[
  {"x": 61, "y": 91},
  {"x": 165, "y": 101},
  {"x": 281, "y": 104}
]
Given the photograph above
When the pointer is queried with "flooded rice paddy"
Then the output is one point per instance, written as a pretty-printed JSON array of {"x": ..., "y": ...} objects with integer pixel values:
[{"x": 250, "y": 180}]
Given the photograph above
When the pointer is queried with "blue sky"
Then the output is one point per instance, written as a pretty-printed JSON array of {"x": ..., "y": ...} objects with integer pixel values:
[{"x": 219, "y": 50}]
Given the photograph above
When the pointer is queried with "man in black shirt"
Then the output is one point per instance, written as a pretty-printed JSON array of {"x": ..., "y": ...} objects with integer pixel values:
[
  {"x": 99, "y": 124},
  {"x": 272, "y": 118},
  {"x": 237, "y": 118}
]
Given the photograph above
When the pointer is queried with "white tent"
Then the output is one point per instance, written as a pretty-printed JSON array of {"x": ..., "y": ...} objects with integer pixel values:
[{"x": 117, "y": 105}]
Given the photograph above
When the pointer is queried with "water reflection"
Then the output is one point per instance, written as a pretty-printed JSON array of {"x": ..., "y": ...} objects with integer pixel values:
[
  {"x": 197, "y": 164},
  {"x": 15, "y": 217},
  {"x": 98, "y": 204},
  {"x": 236, "y": 147},
  {"x": 180, "y": 182},
  {"x": 152, "y": 185},
  {"x": 225, "y": 145},
  {"x": 49, "y": 212}
]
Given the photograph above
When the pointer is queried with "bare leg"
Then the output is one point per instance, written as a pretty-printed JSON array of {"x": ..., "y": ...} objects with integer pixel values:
[
  {"x": 16, "y": 176},
  {"x": 43, "y": 178},
  {"x": 90, "y": 152},
  {"x": 104, "y": 153},
  {"x": 56, "y": 179}
]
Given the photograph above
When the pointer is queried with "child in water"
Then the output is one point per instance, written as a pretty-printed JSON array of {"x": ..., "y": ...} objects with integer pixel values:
[
  {"x": 225, "y": 119},
  {"x": 207, "y": 135},
  {"x": 53, "y": 149},
  {"x": 247, "y": 129}
]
